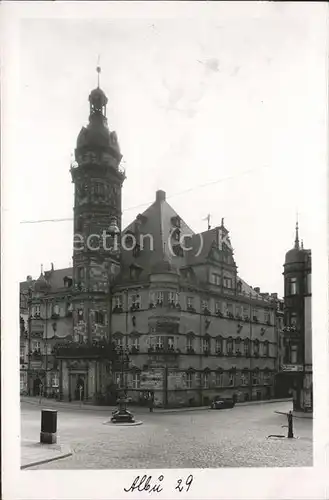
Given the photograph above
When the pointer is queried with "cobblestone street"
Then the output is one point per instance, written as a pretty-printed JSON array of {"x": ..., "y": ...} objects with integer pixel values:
[{"x": 198, "y": 439}]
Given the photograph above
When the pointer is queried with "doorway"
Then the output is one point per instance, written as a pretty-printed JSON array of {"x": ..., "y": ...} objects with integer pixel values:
[
  {"x": 37, "y": 384},
  {"x": 79, "y": 392}
]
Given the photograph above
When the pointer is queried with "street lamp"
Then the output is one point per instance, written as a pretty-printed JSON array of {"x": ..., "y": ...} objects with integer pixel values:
[{"x": 122, "y": 415}]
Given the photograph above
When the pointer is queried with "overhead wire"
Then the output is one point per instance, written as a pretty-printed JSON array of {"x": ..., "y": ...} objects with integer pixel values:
[{"x": 179, "y": 193}]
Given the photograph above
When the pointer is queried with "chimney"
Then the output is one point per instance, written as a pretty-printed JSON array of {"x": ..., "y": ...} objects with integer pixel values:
[
  {"x": 274, "y": 295},
  {"x": 52, "y": 266},
  {"x": 160, "y": 195},
  {"x": 257, "y": 289},
  {"x": 29, "y": 278}
]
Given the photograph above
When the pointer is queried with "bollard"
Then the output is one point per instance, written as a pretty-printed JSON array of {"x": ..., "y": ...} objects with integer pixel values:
[
  {"x": 48, "y": 426},
  {"x": 290, "y": 425}
]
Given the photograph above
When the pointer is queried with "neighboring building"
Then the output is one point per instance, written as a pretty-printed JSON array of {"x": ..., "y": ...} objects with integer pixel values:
[
  {"x": 171, "y": 298},
  {"x": 296, "y": 342}
]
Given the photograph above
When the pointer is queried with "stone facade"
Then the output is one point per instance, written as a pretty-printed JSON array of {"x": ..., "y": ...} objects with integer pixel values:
[{"x": 170, "y": 298}]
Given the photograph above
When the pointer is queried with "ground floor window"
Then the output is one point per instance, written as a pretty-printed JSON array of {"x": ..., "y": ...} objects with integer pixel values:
[
  {"x": 219, "y": 379},
  {"x": 136, "y": 380},
  {"x": 55, "y": 380},
  {"x": 189, "y": 380},
  {"x": 22, "y": 381},
  {"x": 205, "y": 380}
]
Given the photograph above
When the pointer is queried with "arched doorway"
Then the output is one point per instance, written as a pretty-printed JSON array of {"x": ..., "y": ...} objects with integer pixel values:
[
  {"x": 80, "y": 387},
  {"x": 37, "y": 384}
]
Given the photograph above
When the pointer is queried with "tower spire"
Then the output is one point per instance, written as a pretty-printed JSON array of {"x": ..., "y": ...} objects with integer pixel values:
[
  {"x": 297, "y": 236},
  {"x": 98, "y": 69}
]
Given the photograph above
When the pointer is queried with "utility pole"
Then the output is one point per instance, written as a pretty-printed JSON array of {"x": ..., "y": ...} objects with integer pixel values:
[{"x": 250, "y": 343}]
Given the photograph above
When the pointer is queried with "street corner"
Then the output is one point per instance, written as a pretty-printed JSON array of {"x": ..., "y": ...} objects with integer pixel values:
[{"x": 35, "y": 454}]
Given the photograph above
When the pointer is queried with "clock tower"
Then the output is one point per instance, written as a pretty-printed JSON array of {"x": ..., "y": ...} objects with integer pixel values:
[{"x": 98, "y": 180}]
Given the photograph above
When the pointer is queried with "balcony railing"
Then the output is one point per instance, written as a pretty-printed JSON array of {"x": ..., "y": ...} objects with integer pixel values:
[{"x": 163, "y": 350}]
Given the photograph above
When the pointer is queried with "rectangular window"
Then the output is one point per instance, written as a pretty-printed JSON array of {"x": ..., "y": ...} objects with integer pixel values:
[
  {"x": 81, "y": 273},
  {"x": 218, "y": 307},
  {"x": 99, "y": 317},
  {"x": 198, "y": 379},
  {"x": 255, "y": 314},
  {"x": 309, "y": 283},
  {"x": 80, "y": 314},
  {"x": 293, "y": 319},
  {"x": 173, "y": 298},
  {"x": 136, "y": 380},
  {"x": 219, "y": 379},
  {"x": 136, "y": 301},
  {"x": 190, "y": 303},
  {"x": 135, "y": 342},
  {"x": 246, "y": 348},
  {"x": 118, "y": 301},
  {"x": 255, "y": 378},
  {"x": 266, "y": 378},
  {"x": 159, "y": 297},
  {"x": 227, "y": 282},
  {"x": 237, "y": 345},
  {"x": 21, "y": 380},
  {"x": 36, "y": 310},
  {"x": 256, "y": 348},
  {"x": 189, "y": 380},
  {"x": 170, "y": 343},
  {"x": 244, "y": 378},
  {"x": 205, "y": 380},
  {"x": 219, "y": 346},
  {"x": 293, "y": 354},
  {"x": 22, "y": 351},
  {"x": 36, "y": 346},
  {"x": 229, "y": 309},
  {"x": 56, "y": 309},
  {"x": 159, "y": 342},
  {"x": 119, "y": 341},
  {"x": 246, "y": 312},
  {"x": 267, "y": 317},
  {"x": 204, "y": 305},
  {"x": 238, "y": 311},
  {"x": 266, "y": 348},
  {"x": 189, "y": 343},
  {"x": 231, "y": 379},
  {"x": 293, "y": 286},
  {"x": 55, "y": 380},
  {"x": 215, "y": 279},
  {"x": 206, "y": 345},
  {"x": 229, "y": 346}
]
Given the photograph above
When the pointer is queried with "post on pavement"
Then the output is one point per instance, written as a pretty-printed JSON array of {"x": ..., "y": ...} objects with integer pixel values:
[
  {"x": 290, "y": 425},
  {"x": 40, "y": 393},
  {"x": 80, "y": 391},
  {"x": 48, "y": 434}
]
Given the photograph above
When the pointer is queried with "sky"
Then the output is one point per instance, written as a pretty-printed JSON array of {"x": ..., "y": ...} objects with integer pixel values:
[{"x": 225, "y": 112}]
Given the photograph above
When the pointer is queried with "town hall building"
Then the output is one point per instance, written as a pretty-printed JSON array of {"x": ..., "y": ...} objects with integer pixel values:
[{"x": 184, "y": 323}]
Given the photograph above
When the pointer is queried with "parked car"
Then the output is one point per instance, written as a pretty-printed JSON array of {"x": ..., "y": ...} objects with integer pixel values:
[{"x": 219, "y": 403}]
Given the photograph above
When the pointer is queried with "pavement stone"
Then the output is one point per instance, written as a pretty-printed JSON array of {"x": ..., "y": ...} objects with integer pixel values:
[
  {"x": 200, "y": 439},
  {"x": 34, "y": 453}
]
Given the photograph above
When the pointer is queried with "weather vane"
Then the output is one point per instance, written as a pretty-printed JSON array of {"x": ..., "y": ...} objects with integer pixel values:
[{"x": 98, "y": 69}]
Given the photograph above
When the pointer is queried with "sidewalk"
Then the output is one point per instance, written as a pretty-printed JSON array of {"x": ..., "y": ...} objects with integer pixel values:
[
  {"x": 34, "y": 453},
  {"x": 50, "y": 403}
]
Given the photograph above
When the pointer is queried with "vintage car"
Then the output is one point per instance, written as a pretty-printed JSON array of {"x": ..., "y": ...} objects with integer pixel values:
[{"x": 219, "y": 403}]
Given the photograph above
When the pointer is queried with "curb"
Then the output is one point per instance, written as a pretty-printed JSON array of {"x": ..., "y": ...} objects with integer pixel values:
[
  {"x": 86, "y": 407},
  {"x": 46, "y": 460}
]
